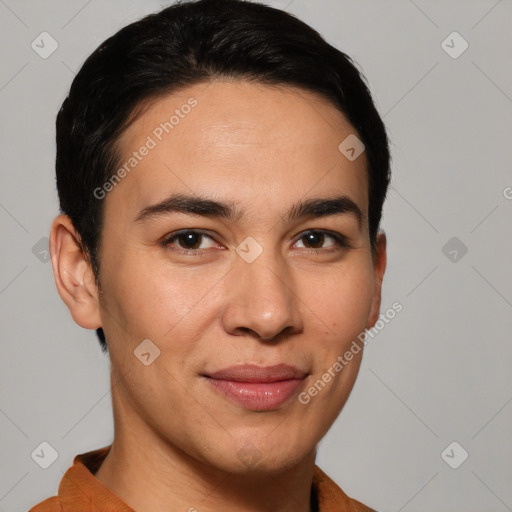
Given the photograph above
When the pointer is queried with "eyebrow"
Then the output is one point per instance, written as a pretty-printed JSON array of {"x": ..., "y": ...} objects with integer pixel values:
[{"x": 196, "y": 205}]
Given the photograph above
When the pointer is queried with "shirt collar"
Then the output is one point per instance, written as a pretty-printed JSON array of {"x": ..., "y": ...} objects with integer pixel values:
[{"x": 80, "y": 488}]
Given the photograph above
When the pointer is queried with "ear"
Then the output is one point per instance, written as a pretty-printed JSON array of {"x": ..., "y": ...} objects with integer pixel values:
[
  {"x": 73, "y": 274},
  {"x": 379, "y": 267}
]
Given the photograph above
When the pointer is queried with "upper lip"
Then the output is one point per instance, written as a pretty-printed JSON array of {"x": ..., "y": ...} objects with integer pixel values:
[{"x": 255, "y": 373}]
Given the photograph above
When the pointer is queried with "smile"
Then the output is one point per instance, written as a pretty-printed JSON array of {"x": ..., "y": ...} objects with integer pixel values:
[{"x": 258, "y": 388}]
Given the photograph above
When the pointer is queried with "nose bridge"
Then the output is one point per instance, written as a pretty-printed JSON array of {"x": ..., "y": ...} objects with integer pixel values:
[{"x": 261, "y": 294}]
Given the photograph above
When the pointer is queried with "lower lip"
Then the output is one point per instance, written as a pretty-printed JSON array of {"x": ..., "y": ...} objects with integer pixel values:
[{"x": 257, "y": 396}]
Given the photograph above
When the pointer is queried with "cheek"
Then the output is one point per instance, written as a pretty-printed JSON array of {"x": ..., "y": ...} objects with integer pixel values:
[
  {"x": 152, "y": 298},
  {"x": 340, "y": 309},
  {"x": 341, "y": 301}
]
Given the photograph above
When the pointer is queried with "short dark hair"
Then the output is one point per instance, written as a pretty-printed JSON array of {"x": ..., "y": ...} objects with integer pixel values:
[{"x": 182, "y": 45}]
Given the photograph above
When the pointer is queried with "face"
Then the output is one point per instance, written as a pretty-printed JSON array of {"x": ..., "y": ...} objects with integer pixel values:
[{"x": 237, "y": 243}]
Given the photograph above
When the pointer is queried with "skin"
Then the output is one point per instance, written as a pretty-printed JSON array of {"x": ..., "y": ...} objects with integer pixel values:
[{"x": 263, "y": 148}]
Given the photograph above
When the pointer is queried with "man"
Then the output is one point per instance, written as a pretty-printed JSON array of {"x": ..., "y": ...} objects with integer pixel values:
[{"x": 221, "y": 171}]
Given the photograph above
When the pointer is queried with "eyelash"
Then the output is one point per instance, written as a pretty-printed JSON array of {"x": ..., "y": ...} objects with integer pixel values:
[{"x": 341, "y": 241}]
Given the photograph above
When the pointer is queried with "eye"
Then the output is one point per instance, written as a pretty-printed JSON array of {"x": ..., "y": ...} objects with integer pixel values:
[
  {"x": 189, "y": 240},
  {"x": 315, "y": 240}
]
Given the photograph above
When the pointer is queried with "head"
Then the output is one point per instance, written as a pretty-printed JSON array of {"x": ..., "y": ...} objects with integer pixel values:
[{"x": 209, "y": 205}]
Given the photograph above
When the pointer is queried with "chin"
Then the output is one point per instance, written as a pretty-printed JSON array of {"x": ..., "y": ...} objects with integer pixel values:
[{"x": 248, "y": 455}]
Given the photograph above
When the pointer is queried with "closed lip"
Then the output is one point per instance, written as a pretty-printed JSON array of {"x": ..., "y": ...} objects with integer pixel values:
[
  {"x": 252, "y": 373},
  {"x": 258, "y": 388}
]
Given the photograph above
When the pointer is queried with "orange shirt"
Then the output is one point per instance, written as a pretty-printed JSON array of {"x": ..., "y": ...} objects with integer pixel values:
[{"x": 81, "y": 491}]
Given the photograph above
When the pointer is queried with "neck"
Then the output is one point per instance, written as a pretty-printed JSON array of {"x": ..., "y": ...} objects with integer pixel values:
[{"x": 149, "y": 473}]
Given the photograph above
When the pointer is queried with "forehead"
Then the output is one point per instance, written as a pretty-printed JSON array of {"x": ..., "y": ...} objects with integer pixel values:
[{"x": 237, "y": 140}]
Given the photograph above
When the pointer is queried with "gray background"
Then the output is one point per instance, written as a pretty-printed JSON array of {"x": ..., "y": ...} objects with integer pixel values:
[{"x": 437, "y": 373}]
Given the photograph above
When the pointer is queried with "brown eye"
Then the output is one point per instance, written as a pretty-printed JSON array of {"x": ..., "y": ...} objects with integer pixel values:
[
  {"x": 323, "y": 240},
  {"x": 314, "y": 239},
  {"x": 189, "y": 240}
]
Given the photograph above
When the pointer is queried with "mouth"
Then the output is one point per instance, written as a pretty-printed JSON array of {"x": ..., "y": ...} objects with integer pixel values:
[{"x": 257, "y": 388}]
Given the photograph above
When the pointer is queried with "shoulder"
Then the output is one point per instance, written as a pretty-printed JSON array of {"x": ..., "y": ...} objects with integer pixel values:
[
  {"x": 331, "y": 498},
  {"x": 52, "y": 504}
]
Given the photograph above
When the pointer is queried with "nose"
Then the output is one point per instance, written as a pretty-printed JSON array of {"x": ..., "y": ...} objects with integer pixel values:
[{"x": 261, "y": 300}]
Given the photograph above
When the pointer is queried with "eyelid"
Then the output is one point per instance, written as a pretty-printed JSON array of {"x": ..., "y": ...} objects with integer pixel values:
[
  {"x": 342, "y": 240},
  {"x": 166, "y": 241}
]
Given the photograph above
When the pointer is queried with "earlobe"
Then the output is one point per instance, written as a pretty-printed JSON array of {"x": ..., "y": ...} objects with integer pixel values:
[
  {"x": 73, "y": 274},
  {"x": 379, "y": 267}
]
